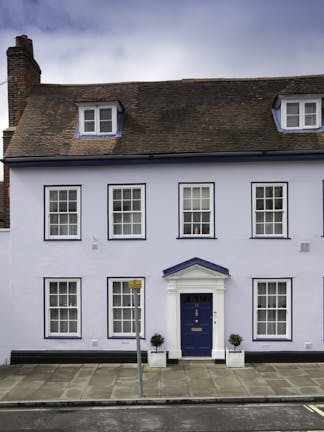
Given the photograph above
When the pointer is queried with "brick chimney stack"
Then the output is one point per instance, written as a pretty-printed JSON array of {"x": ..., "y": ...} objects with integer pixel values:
[{"x": 23, "y": 73}]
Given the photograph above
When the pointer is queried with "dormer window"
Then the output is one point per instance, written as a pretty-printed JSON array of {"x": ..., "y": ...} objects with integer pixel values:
[
  {"x": 301, "y": 113},
  {"x": 98, "y": 120}
]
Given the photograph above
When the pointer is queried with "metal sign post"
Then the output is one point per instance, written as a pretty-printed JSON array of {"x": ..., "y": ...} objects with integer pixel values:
[{"x": 135, "y": 286}]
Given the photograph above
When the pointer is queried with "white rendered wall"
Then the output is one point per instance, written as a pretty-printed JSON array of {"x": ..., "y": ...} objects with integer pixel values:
[
  {"x": 33, "y": 258},
  {"x": 5, "y": 323}
]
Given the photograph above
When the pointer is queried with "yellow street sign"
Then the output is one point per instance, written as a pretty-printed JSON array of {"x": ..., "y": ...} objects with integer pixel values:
[{"x": 135, "y": 284}]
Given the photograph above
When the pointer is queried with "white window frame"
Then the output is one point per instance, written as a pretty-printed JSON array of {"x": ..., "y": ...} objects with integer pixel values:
[
  {"x": 141, "y": 294},
  {"x": 48, "y": 308},
  {"x": 48, "y": 235},
  {"x": 112, "y": 212},
  {"x": 288, "y": 309},
  {"x": 301, "y": 103},
  {"x": 96, "y": 109},
  {"x": 284, "y": 210},
  {"x": 182, "y": 211}
]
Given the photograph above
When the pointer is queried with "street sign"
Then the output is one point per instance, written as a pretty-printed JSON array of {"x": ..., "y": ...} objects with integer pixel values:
[{"x": 135, "y": 284}]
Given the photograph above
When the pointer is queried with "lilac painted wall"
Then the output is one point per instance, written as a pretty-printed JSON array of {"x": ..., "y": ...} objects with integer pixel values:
[
  {"x": 5, "y": 325},
  {"x": 33, "y": 258}
]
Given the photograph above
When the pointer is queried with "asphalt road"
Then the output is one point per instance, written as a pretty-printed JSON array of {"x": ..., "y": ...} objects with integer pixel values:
[{"x": 179, "y": 418}]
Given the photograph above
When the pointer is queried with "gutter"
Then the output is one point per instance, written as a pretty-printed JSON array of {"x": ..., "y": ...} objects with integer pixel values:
[{"x": 164, "y": 158}]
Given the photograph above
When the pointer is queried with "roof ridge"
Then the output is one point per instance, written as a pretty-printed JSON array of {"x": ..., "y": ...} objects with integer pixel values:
[{"x": 185, "y": 80}]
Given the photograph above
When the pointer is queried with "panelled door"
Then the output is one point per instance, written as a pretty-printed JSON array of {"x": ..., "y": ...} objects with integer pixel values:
[{"x": 196, "y": 325}]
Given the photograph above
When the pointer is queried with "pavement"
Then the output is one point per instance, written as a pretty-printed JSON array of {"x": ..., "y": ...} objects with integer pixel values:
[{"x": 185, "y": 382}]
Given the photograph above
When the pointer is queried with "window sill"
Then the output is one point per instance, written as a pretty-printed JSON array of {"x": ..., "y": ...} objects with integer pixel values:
[
  {"x": 270, "y": 238},
  {"x": 272, "y": 340},
  {"x": 62, "y": 239},
  {"x": 196, "y": 238},
  {"x": 62, "y": 337},
  {"x": 125, "y": 238},
  {"x": 125, "y": 337}
]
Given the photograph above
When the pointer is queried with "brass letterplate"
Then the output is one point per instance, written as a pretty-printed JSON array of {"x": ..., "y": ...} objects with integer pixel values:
[{"x": 196, "y": 329}]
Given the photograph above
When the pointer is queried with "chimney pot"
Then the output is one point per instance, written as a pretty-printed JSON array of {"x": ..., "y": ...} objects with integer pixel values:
[{"x": 24, "y": 42}]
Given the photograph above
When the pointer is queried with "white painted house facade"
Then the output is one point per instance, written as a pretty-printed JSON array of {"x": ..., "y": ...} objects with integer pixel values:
[{"x": 221, "y": 220}]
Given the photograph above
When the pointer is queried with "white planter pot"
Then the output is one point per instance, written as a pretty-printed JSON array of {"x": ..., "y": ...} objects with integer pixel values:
[
  {"x": 235, "y": 359},
  {"x": 156, "y": 359}
]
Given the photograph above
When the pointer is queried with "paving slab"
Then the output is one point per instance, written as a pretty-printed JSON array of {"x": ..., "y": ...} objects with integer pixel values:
[{"x": 187, "y": 380}]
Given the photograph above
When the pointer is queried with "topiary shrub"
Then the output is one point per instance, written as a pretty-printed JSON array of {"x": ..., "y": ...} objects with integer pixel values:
[
  {"x": 157, "y": 340},
  {"x": 235, "y": 340}
]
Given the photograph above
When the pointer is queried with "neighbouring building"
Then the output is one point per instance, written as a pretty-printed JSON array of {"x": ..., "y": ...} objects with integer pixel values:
[{"x": 208, "y": 191}]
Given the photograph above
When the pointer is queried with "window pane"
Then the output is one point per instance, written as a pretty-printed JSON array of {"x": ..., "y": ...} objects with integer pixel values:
[
  {"x": 89, "y": 114},
  {"x": 137, "y": 205},
  {"x": 259, "y": 229},
  {"x": 187, "y": 204},
  {"x": 73, "y": 326},
  {"x": 261, "y": 328},
  {"x": 116, "y": 194},
  {"x": 105, "y": 126},
  {"x": 105, "y": 114},
  {"x": 117, "y": 229},
  {"x": 272, "y": 287},
  {"x": 127, "y": 326},
  {"x": 262, "y": 315},
  {"x": 137, "y": 229},
  {"x": 310, "y": 108},
  {"x": 293, "y": 108},
  {"x": 260, "y": 204},
  {"x": 271, "y": 328},
  {"x": 278, "y": 229},
  {"x": 310, "y": 120},
  {"x": 72, "y": 195},
  {"x": 259, "y": 192},
  {"x": 262, "y": 287},
  {"x": 54, "y": 327},
  {"x": 117, "y": 327},
  {"x": 292, "y": 121},
  {"x": 262, "y": 301},
  {"x": 272, "y": 302},
  {"x": 64, "y": 326},
  {"x": 281, "y": 328}
]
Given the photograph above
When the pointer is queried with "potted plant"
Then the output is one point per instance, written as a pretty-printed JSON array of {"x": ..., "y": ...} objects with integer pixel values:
[
  {"x": 156, "y": 358},
  {"x": 236, "y": 357}
]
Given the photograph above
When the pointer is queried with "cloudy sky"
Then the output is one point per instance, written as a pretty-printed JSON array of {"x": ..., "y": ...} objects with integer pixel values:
[{"x": 86, "y": 41}]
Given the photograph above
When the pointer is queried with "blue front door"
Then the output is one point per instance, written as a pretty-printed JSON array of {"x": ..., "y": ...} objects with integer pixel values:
[{"x": 196, "y": 325}]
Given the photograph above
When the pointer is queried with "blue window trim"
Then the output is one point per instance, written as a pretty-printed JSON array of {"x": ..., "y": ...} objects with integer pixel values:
[
  {"x": 44, "y": 212},
  {"x": 180, "y": 235},
  {"x": 276, "y": 113},
  {"x": 145, "y": 213},
  {"x": 286, "y": 237},
  {"x": 144, "y": 306},
  {"x": 118, "y": 134},
  {"x": 44, "y": 307},
  {"x": 262, "y": 339}
]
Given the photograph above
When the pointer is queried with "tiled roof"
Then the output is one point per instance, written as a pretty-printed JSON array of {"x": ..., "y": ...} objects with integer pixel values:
[{"x": 187, "y": 116}]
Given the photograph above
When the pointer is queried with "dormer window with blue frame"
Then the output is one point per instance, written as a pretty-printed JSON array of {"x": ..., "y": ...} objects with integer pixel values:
[
  {"x": 298, "y": 113},
  {"x": 99, "y": 120},
  {"x": 301, "y": 114}
]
